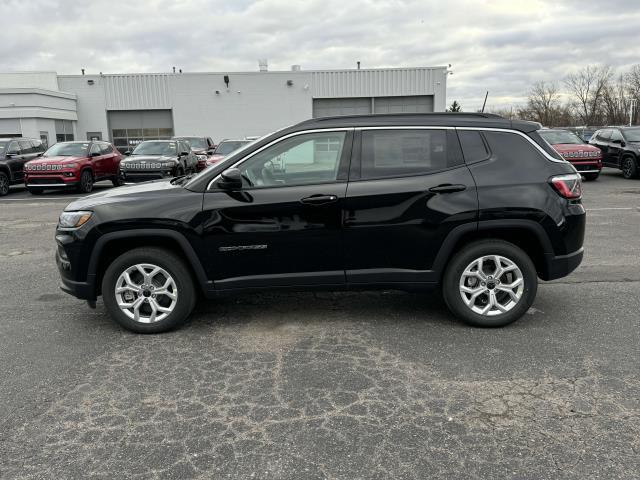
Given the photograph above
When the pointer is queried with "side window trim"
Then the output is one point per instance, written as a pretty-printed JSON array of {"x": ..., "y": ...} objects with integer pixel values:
[{"x": 348, "y": 138}]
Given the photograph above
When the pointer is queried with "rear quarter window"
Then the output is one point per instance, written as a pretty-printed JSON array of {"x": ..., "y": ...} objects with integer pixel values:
[
  {"x": 473, "y": 147},
  {"x": 511, "y": 146}
]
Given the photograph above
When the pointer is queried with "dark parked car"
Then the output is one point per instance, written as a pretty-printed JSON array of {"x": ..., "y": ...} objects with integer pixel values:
[
  {"x": 75, "y": 165},
  {"x": 224, "y": 148},
  {"x": 156, "y": 159},
  {"x": 203, "y": 147},
  {"x": 14, "y": 153},
  {"x": 586, "y": 158},
  {"x": 620, "y": 148},
  {"x": 474, "y": 204}
]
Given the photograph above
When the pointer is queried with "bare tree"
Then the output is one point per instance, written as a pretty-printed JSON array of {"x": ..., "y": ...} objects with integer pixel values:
[
  {"x": 615, "y": 102},
  {"x": 632, "y": 81},
  {"x": 543, "y": 104},
  {"x": 587, "y": 88}
]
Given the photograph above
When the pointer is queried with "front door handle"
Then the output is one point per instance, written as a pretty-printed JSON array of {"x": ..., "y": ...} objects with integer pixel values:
[
  {"x": 448, "y": 188},
  {"x": 319, "y": 199}
]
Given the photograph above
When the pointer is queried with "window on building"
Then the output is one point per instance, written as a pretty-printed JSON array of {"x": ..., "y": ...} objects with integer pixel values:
[{"x": 128, "y": 138}]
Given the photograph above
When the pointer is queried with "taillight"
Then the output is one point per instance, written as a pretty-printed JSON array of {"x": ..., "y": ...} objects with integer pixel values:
[{"x": 568, "y": 186}]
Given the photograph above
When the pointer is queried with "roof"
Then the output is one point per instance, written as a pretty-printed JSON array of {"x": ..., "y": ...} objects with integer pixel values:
[{"x": 458, "y": 119}]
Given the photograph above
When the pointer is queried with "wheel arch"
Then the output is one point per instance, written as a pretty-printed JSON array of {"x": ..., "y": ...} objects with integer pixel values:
[
  {"x": 525, "y": 234},
  {"x": 111, "y": 245}
]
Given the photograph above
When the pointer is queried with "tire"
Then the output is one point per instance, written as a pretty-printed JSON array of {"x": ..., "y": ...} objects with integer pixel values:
[
  {"x": 86, "y": 182},
  {"x": 36, "y": 191},
  {"x": 589, "y": 177},
  {"x": 171, "y": 267},
  {"x": 511, "y": 255},
  {"x": 629, "y": 167},
  {"x": 118, "y": 180},
  {"x": 4, "y": 184}
]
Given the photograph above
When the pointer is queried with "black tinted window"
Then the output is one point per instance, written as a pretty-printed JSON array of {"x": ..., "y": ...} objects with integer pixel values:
[
  {"x": 105, "y": 148},
  {"x": 393, "y": 153},
  {"x": 616, "y": 135},
  {"x": 37, "y": 146},
  {"x": 25, "y": 146},
  {"x": 604, "y": 134},
  {"x": 473, "y": 146},
  {"x": 513, "y": 147}
]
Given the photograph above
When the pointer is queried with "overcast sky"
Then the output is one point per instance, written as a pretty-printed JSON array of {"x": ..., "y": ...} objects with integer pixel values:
[{"x": 495, "y": 45}]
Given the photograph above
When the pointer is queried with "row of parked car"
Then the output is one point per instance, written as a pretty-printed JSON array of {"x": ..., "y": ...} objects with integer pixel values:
[
  {"x": 80, "y": 164},
  {"x": 617, "y": 147}
]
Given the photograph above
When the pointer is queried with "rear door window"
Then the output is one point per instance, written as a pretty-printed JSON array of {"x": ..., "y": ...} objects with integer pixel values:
[{"x": 398, "y": 153}]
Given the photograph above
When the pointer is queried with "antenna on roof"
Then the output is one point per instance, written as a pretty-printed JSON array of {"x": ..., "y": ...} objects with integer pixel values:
[{"x": 485, "y": 101}]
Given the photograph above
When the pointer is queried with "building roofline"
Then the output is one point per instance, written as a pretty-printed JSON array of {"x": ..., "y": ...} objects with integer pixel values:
[{"x": 39, "y": 91}]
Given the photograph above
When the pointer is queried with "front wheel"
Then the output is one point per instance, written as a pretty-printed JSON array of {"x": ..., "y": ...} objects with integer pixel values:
[
  {"x": 490, "y": 283},
  {"x": 148, "y": 290},
  {"x": 4, "y": 184},
  {"x": 629, "y": 167},
  {"x": 86, "y": 182}
]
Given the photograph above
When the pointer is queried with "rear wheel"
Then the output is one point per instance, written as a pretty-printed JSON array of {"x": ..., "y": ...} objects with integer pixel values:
[
  {"x": 591, "y": 176},
  {"x": 86, "y": 182},
  {"x": 629, "y": 167},
  {"x": 4, "y": 184},
  {"x": 148, "y": 290},
  {"x": 118, "y": 180},
  {"x": 490, "y": 283}
]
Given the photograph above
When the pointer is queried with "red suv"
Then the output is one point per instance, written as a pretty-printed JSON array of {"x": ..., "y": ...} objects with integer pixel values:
[
  {"x": 73, "y": 164},
  {"x": 586, "y": 158}
]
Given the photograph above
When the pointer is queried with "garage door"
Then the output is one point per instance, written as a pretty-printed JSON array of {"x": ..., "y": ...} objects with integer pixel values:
[
  {"x": 413, "y": 104},
  {"x": 330, "y": 107},
  {"x": 128, "y": 128}
]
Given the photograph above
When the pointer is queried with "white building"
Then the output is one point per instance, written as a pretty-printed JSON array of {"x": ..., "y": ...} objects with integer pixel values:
[{"x": 127, "y": 108}]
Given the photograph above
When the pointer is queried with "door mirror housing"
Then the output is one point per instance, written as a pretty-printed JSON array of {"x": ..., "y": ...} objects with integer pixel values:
[
  {"x": 617, "y": 141},
  {"x": 230, "y": 179},
  {"x": 183, "y": 154},
  {"x": 127, "y": 152},
  {"x": 95, "y": 154}
]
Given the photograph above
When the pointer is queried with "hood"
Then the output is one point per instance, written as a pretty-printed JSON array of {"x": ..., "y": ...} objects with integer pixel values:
[
  {"x": 57, "y": 160},
  {"x": 126, "y": 193},
  {"x": 148, "y": 158}
]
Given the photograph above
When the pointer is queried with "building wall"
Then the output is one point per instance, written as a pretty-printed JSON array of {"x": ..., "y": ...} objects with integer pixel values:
[{"x": 254, "y": 103}]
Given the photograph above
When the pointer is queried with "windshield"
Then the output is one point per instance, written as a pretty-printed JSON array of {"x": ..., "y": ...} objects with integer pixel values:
[
  {"x": 196, "y": 143},
  {"x": 67, "y": 150},
  {"x": 156, "y": 148},
  {"x": 225, "y": 148},
  {"x": 3, "y": 146},
  {"x": 555, "y": 137},
  {"x": 632, "y": 134}
]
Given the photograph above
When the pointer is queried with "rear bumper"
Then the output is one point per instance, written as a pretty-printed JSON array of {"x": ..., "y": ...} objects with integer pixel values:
[{"x": 559, "y": 266}]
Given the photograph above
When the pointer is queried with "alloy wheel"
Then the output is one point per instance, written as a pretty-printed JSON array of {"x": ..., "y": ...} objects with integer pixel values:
[
  {"x": 627, "y": 168},
  {"x": 491, "y": 285},
  {"x": 4, "y": 185},
  {"x": 146, "y": 293}
]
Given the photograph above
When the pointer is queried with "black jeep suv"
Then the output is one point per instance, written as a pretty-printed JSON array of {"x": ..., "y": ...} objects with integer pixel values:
[
  {"x": 475, "y": 204},
  {"x": 156, "y": 159},
  {"x": 620, "y": 149},
  {"x": 14, "y": 153}
]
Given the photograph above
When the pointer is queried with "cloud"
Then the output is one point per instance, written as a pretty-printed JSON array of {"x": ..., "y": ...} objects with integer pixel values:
[{"x": 500, "y": 45}]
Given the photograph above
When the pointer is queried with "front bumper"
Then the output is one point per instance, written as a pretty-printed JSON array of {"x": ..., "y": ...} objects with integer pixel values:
[
  {"x": 83, "y": 290},
  {"x": 50, "y": 181},
  {"x": 587, "y": 166},
  {"x": 144, "y": 176}
]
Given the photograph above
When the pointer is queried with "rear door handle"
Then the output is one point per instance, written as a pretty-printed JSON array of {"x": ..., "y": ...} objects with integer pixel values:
[
  {"x": 319, "y": 199},
  {"x": 448, "y": 188}
]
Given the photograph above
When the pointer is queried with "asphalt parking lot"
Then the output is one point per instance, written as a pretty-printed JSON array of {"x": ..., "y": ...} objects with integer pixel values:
[{"x": 325, "y": 385}]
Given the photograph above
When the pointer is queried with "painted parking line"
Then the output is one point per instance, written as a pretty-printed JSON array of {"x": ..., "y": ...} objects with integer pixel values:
[
  {"x": 37, "y": 199},
  {"x": 609, "y": 208}
]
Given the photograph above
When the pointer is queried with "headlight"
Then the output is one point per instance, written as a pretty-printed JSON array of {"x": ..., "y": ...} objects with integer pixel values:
[
  {"x": 70, "y": 165},
  {"x": 74, "y": 219}
]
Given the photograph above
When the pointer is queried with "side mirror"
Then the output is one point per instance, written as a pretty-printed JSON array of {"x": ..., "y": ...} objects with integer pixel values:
[
  {"x": 210, "y": 151},
  {"x": 10, "y": 154},
  {"x": 40, "y": 154},
  {"x": 617, "y": 141},
  {"x": 127, "y": 152},
  {"x": 95, "y": 154},
  {"x": 183, "y": 154},
  {"x": 230, "y": 179}
]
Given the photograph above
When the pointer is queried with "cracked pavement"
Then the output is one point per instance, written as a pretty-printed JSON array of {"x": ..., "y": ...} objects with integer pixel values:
[{"x": 370, "y": 385}]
